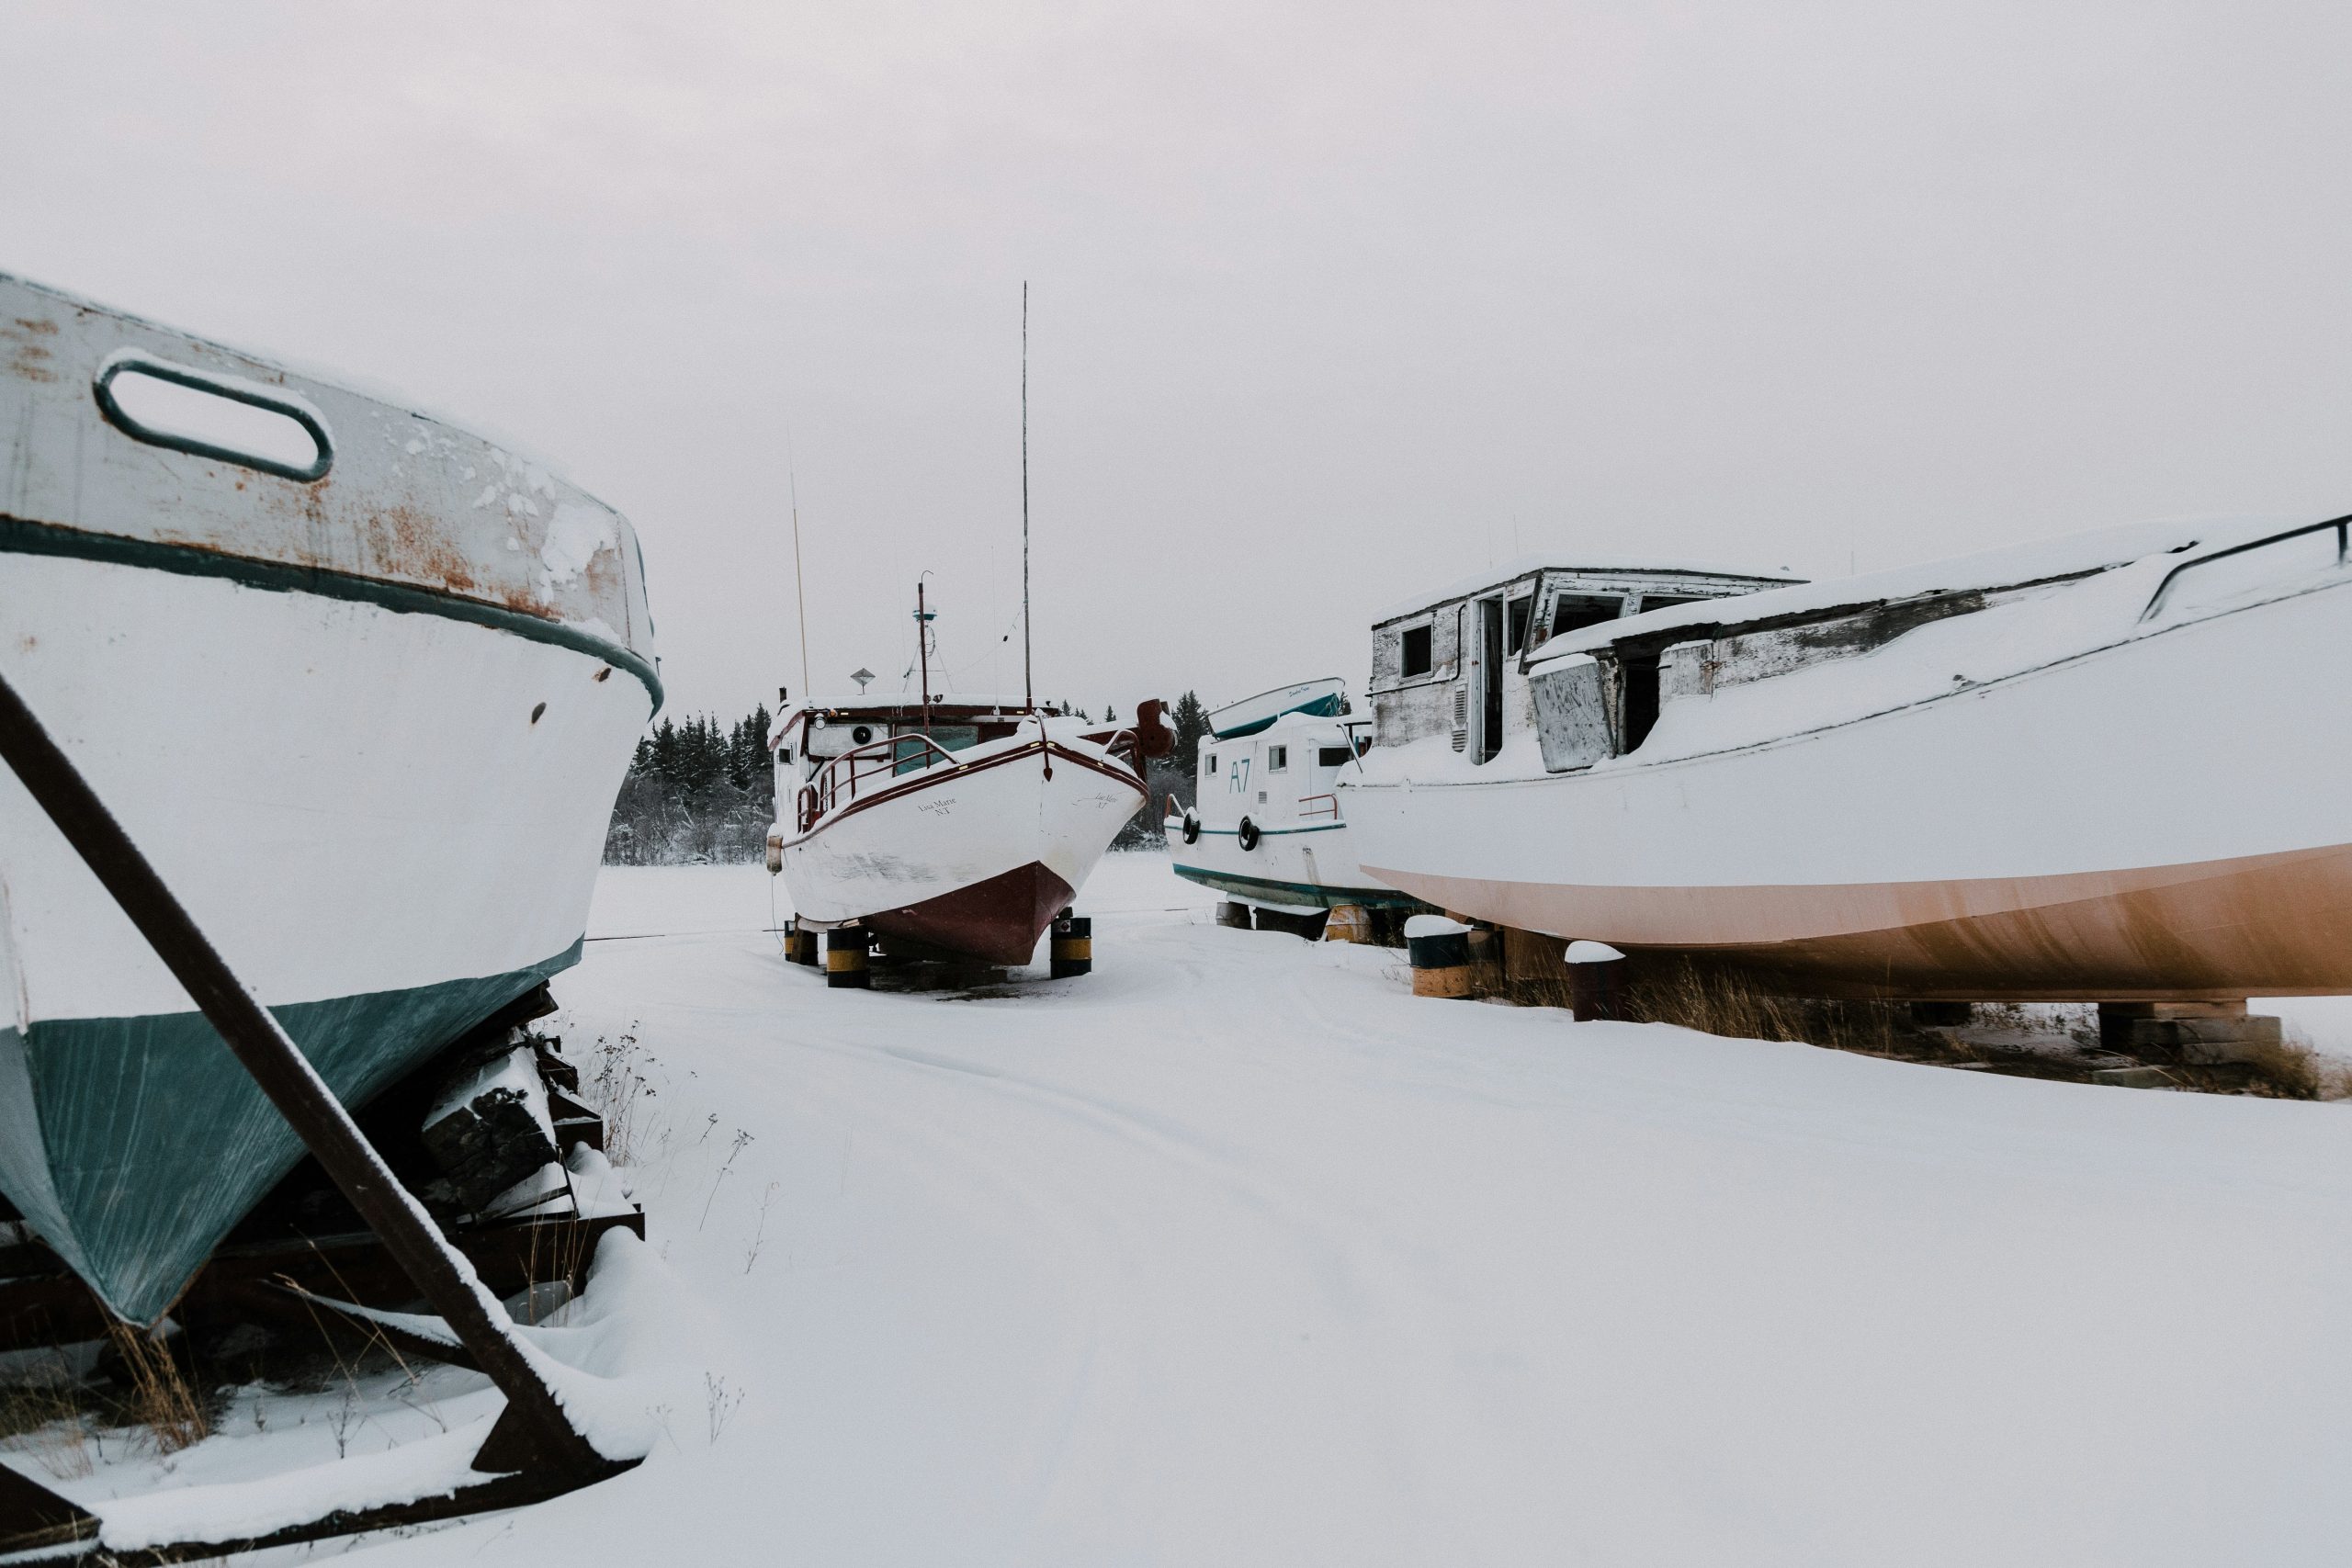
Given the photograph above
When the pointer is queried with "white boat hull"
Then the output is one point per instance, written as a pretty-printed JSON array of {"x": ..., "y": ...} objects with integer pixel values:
[
  {"x": 2156, "y": 818},
  {"x": 975, "y": 858},
  {"x": 1309, "y": 865},
  {"x": 365, "y": 712},
  {"x": 355, "y": 804}
]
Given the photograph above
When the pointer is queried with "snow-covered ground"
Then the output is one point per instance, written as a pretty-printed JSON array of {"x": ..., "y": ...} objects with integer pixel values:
[{"x": 1234, "y": 1252}]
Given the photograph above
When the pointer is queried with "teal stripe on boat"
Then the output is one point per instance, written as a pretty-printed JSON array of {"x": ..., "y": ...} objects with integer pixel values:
[
  {"x": 24, "y": 537},
  {"x": 1299, "y": 892},
  {"x": 1325, "y": 706},
  {"x": 133, "y": 1145}
]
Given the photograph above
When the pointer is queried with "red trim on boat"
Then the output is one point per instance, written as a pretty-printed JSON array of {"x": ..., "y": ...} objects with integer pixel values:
[{"x": 928, "y": 777}]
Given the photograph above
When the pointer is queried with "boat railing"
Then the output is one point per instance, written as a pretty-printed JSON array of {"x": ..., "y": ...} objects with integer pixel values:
[
  {"x": 2341, "y": 527},
  {"x": 838, "y": 781},
  {"x": 1314, "y": 805},
  {"x": 1126, "y": 746}
]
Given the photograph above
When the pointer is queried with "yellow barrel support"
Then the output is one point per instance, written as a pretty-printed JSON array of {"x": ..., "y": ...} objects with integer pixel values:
[
  {"x": 800, "y": 944},
  {"x": 845, "y": 958},
  {"x": 1072, "y": 949},
  {"x": 1349, "y": 923}
]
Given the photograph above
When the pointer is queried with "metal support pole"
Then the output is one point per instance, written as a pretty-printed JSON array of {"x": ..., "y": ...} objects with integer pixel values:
[{"x": 533, "y": 1433}]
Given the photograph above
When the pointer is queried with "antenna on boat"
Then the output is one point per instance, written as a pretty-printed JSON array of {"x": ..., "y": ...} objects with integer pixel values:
[
  {"x": 922, "y": 648},
  {"x": 1028, "y": 678},
  {"x": 800, "y": 583},
  {"x": 1028, "y": 682}
]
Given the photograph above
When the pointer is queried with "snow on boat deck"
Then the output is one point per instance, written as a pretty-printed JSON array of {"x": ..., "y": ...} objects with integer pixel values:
[{"x": 1234, "y": 1252}]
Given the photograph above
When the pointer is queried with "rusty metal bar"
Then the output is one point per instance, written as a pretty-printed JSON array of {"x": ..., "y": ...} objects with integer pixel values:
[{"x": 534, "y": 1432}]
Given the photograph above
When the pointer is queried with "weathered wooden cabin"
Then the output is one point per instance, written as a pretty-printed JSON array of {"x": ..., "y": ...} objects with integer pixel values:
[{"x": 1454, "y": 662}]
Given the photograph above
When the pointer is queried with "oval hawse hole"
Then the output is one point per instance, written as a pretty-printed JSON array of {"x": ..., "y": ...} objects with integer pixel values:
[
  {"x": 539, "y": 712},
  {"x": 169, "y": 405}
]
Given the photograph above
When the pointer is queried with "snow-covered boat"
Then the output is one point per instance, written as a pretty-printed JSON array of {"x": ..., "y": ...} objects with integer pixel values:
[
  {"x": 963, "y": 825},
  {"x": 1266, "y": 828},
  {"x": 362, "y": 686},
  {"x": 1326, "y": 698},
  {"x": 2104, "y": 767}
]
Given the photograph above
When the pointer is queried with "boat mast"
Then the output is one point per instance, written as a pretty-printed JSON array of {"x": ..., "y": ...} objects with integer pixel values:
[
  {"x": 1028, "y": 682},
  {"x": 800, "y": 581},
  {"x": 923, "y": 652}
]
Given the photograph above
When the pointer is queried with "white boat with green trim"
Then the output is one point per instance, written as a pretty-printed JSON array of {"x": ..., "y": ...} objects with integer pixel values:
[
  {"x": 1267, "y": 829},
  {"x": 363, "y": 687}
]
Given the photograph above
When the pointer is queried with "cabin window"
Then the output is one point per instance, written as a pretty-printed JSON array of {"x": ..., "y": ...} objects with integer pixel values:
[
  {"x": 1667, "y": 601},
  {"x": 1208, "y": 769},
  {"x": 1277, "y": 759},
  {"x": 1574, "y": 612},
  {"x": 1414, "y": 656},
  {"x": 1515, "y": 619},
  {"x": 1490, "y": 677},
  {"x": 1332, "y": 757}
]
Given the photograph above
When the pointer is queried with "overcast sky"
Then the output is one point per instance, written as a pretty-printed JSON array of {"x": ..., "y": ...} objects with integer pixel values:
[{"x": 1328, "y": 302}]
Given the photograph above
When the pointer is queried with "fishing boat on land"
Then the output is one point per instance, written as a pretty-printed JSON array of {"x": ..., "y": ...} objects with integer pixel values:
[
  {"x": 961, "y": 826},
  {"x": 1266, "y": 828},
  {"x": 2101, "y": 767},
  {"x": 952, "y": 826},
  {"x": 362, "y": 686}
]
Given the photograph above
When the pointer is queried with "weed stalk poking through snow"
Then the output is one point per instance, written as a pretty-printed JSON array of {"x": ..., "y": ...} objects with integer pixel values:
[
  {"x": 759, "y": 1234},
  {"x": 742, "y": 1138},
  {"x": 723, "y": 1403}
]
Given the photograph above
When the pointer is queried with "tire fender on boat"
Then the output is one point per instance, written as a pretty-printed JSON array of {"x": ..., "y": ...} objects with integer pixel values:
[
  {"x": 1192, "y": 826},
  {"x": 1249, "y": 835}
]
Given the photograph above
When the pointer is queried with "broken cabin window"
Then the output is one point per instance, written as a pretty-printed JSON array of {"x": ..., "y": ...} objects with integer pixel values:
[
  {"x": 1277, "y": 759},
  {"x": 1415, "y": 653},
  {"x": 1574, "y": 612},
  {"x": 1515, "y": 621}
]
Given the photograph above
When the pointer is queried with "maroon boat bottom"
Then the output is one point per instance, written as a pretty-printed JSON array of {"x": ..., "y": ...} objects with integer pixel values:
[{"x": 998, "y": 921}]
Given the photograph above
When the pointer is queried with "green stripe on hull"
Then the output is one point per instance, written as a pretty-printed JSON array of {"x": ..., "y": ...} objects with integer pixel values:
[
  {"x": 1299, "y": 892},
  {"x": 133, "y": 1145},
  {"x": 31, "y": 538}
]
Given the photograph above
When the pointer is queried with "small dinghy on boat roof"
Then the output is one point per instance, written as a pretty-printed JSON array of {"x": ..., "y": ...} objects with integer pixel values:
[
  {"x": 361, "y": 684},
  {"x": 2099, "y": 768}
]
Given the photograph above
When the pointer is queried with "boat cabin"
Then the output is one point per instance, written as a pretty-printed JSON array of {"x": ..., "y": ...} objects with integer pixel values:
[
  {"x": 888, "y": 738},
  {"x": 1454, "y": 662},
  {"x": 1284, "y": 774}
]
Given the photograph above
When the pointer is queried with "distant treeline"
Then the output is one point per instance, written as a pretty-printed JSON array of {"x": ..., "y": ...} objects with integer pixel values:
[
  {"x": 703, "y": 791},
  {"x": 698, "y": 791}
]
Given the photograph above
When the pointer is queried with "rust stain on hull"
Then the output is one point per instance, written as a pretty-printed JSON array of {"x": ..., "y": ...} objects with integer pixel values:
[{"x": 2263, "y": 925}]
